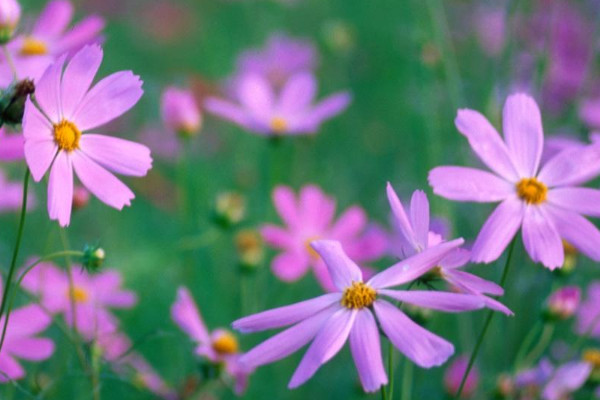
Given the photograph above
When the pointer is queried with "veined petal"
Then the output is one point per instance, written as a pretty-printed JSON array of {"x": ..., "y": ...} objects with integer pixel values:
[
  {"x": 401, "y": 217},
  {"x": 78, "y": 77},
  {"x": 581, "y": 200},
  {"x": 442, "y": 301},
  {"x": 185, "y": 313},
  {"x": 472, "y": 283},
  {"x": 576, "y": 230},
  {"x": 366, "y": 351},
  {"x": 342, "y": 269},
  {"x": 541, "y": 238},
  {"x": 39, "y": 154},
  {"x": 118, "y": 155},
  {"x": 469, "y": 184},
  {"x": 523, "y": 133},
  {"x": 572, "y": 166},
  {"x": 60, "y": 189},
  {"x": 287, "y": 315},
  {"x": 48, "y": 90},
  {"x": 419, "y": 216}
]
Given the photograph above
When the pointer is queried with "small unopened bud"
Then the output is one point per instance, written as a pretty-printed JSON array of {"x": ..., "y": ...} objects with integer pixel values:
[
  {"x": 230, "y": 208},
  {"x": 571, "y": 255},
  {"x": 12, "y": 101},
  {"x": 180, "y": 111},
  {"x": 81, "y": 197},
  {"x": 10, "y": 14},
  {"x": 563, "y": 303},
  {"x": 505, "y": 387},
  {"x": 339, "y": 36},
  {"x": 454, "y": 374},
  {"x": 93, "y": 257},
  {"x": 250, "y": 249}
]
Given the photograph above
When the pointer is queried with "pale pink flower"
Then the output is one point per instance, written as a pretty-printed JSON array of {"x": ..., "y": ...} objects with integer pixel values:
[
  {"x": 57, "y": 138},
  {"x": 180, "y": 111}
]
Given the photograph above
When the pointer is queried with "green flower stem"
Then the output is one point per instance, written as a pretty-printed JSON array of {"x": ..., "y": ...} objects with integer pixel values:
[{"x": 542, "y": 344}]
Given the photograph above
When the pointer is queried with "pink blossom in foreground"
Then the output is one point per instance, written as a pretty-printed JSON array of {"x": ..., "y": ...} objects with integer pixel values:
[
  {"x": 21, "y": 341},
  {"x": 311, "y": 216},
  {"x": 93, "y": 296},
  {"x": 329, "y": 320},
  {"x": 588, "y": 315},
  {"x": 554, "y": 383},
  {"x": 62, "y": 143},
  {"x": 11, "y": 146},
  {"x": 180, "y": 111},
  {"x": 454, "y": 374},
  {"x": 416, "y": 236},
  {"x": 220, "y": 346},
  {"x": 564, "y": 302},
  {"x": 259, "y": 109},
  {"x": 50, "y": 37},
  {"x": 545, "y": 202}
]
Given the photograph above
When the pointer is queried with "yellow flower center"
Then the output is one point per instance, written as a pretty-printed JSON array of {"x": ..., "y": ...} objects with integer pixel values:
[
  {"x": 66, "y": 135},
  {"x": 278, "y": 125},
  {"x": 532, "y": 191},
  {"x": 80, "y": 295},
  {"x": 313, "y": 254},
  {"x": 358, "y": 295},
  {"x": 569, "y": 249},
  {"x": 33, "y": 47},
  {"x": 226, "y": 343},
  {"x": 592, "y": 356}
]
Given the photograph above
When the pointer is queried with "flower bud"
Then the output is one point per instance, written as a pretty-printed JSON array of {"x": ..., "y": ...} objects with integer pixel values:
[
  {"x": 505, "y": 387},
  {"x": 180, "y": 111},
  {"x": 563, "y": 303},
  {"x": 93, "y": 257},
  {"x": 454, "y": 374},
  {"x": 10, "y": 13},
  {"x": 12, "y": 101},
  {"x": 230, "y": 208},
  {"x": 250, "y": 249},
  {"x": 81, "y": 197},
  {"x": 570, "y": 259}
]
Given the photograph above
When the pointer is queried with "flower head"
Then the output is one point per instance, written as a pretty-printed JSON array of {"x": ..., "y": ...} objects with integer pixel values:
[
  {"x": 310, "y": 216},
  {"x": 554, "y": 383},
  {"x": 545, "y": 201},
  {"x": 57, "y": 138},
  {"x": 180, "y": 112},
  {"x": 10, "y": 14},
  {"x": 350, "y": 313},
  {"x": 563, "y": 303},
  {"x": 454, "y": 374}
]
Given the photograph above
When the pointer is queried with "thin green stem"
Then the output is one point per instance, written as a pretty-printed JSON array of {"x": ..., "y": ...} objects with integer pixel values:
[
  {"x": 486, "y": 325},
  {"x": 542, "y": 344},
  {"x": 407, "y": 379},
  {"x": 526, "y": 344},
  {"x": 391, "y": 370}
]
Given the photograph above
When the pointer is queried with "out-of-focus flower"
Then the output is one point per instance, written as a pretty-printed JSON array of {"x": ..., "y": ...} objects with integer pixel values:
[
  {"x": 230, "y": 208},
  {"x": 589, "y": 111},
  {"x": 11, "y": 146},
  {"x": 339, "y": 35},
  {"x": 346, "y": 313},
  {"x": 32, "y": 52},
  {"x": 180, "y": 112},
  {"x": 60, "y": 144},
  {"x": 490, "y": 26},
  {"x": 415, "y": 236},
  {"x": 148, "y": 378},
  {"x": 165, "y": 147},
  {"x": 505, "y": 387},
  {"x": 81, "y": 197},
  {"x": 250, "y": 249},
  {"x": 93, "y": 295},
  {"x": 310, "y": 216},
  {"x": 545, "y": 202},
  {"x": 553, "y": 383},
  {"x": 11, "y": 195},
  {"x": 563, "y": 303},
  {"x": 454, "y": 374},
  {"x": 588, "y": 315},
  {"x": 21, "y": 340},
  {"x": 219, "y": 346},
  {"x": 10, "y": 14},
  {"x": 290, "y": 112}
]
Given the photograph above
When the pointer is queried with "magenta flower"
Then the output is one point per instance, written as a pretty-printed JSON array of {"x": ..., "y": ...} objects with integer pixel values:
[
  {"x": 545, "y": 202},
  {"x": 454, "y": 374},
  {"x": 564, "y": 302},
  {"x": 11, "y": 147},
  {"x": 416, "y": 236},
  {"x": 56, "y": 137},
  {"x": 93, "y": 295},
  {"x": 588, "y": 315},
  {"x": 554, "y": 383},
  {"x": 347, "y": 313},
  {"x": 20, "y": 341},
  {"x": 308, "y": 217},
  {"x": 180, "y": 112},
  {"x": 290, "y": 111},
  {"x": 220, "y": 346}
]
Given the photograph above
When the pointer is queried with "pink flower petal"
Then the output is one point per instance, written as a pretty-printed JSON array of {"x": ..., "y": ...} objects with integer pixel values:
[
  {"x": 350, "y": 224},
  {"x": 276, "y": 236},
  {"x": 399, "y": 213},
  {"x": 27, "y": 321},
  {"x": 572, "y": 166},
  {"x": 85, "y": 32},
  {"x": 419, "y": 216},
  {"x": 60, "y": 189},
  {"x": 577, "y": 230},
  {"x": 256, "y": 95},
  {"x": 54, "y": 19},
  {"x": 39, "y": 147},
  {"x": 541, "y": 238},
  {"x": 118, "y": 155},
  {"x": 584, "y": 201},
  {"x": 290, "y": 266},
  {"x": 10, "y": 368},
  {"x": 366, "y": 351},
  {"x": 469, "y": 184},
  {"x": 326, "y": 109},
  {"x": 316, "y": 208},
  {"x": 78, "y": 77},
  {"x": 284, "y": 200},
  {"x": 33, "y": 349},
  {"x": 229, "y": 111},
  {"x": 442, "y": 301},
  {"x": 472, "y": 283},
  {"x": 342, "y": 269},
  {"x": 48, "y": 90},
  {"x": 298, "y": 92},
  {"x": 185, "y": 313}
]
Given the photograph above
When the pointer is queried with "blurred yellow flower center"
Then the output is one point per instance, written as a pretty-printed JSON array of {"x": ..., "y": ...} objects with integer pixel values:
[
  {"x": 532, "y": 191},
  {"x": 66, "y": 135},
  {"x": 226, "y": 343},
  {"x": 592, "y": 356},
  {"x": 569, "y": 249},
  {"x": 358, "y": 295},
  {"x": 33, "y": 47},
  {"x": 79, "y": 295},
  {"x": 313, "y": 254},
  {"x": 278, "y": 125}
]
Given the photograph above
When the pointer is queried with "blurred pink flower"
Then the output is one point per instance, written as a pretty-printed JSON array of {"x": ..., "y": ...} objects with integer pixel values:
[
  {"x": 163, "y": 145},
  {"x": 34, "y": 51},
  {"x": 546, "y": 202},
  {"x": 149, "y": 378},
  {"x": 490, "y": 26},
  {"x": 588, "y": 315},
  {"x": 291, "y": 111},
  {"x": 10, "y": 14},
  {"x": 93, "y": 295},
  {"x": 454, "y": 374},
  {"x": 310, "y": 216},
  {"x": 554, "y": 383},
  {"x": 11, "y": 195},
  {"x": 20, "y": 341},
  {"x": 564, "y": 302},
  {"x": 180, "y": 112},
  {"x": 346, "y": 313},
  {"x": 589, "y": 111},
  {"x": 220, "y": 346},
  {"x": 60, "y": 144},
  {"x": 11, "y": 146}
]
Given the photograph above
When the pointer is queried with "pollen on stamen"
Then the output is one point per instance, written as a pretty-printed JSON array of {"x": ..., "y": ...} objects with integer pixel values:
[
  {"x": 359, "y": 295},
  {"x": 33, "y": 47},
  {"x": 66, "y": 135},
  {"x": 532, "y": 191},
  {"x": 278, "y": 125},
  {"x": 226, "y": 343}
]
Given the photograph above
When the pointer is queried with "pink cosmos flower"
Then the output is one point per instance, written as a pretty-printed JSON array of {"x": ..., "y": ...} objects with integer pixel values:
[
  {"x": 564, "y": 302},
  {"x": 588, "y": 315},
  {"x": 56, "y": 137},
  {"x": 10, "y": 14},
  {"x": 34, "y": 51},
  {"x": 11, "y": 147},
  {"x": 220, "y": 346},
  {"x": 454, "y": 375},
  {"x": 546, "y": 202},
  {"x": 290, "y": 111},
  {"x": 554, "y": 383},
  {"x": 308, "y": 217},
  {"x": 93, "y": 295},
  {"x": 334, "y": 317},
  {"x": 416, "y": 236},
  {"x": 20, "y": 341},
  {"x": 11, "y": 195},
  {"x": 180, "y": 112}
]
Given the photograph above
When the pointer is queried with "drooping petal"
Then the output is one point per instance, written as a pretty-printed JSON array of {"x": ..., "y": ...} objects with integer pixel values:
[
  {"x": 469, "y": 184},
  {"x": 118, "y": 155},
  {"x": 501, "y": 226},
  {"x": 581, "y": 200},
  {"x": 60, "y": 189},
  {"x": 541, "y": 238},
  {"x": 78, "y": 77},
  {"x": 33, "y": 349},
  {"x": 185, "y": 313},
  {"x": 287, "y": 315},
  {"x": 342, "y": 269},
  {"x": 486, "y": 143},
  {"x": 421, "y": 346},
  {"x": 442, "y": 301},
  {"x": 419, "y": 216},
  {"x": 327, "y": 343},
  {"x": 572, "y": 166},
  {"x": 456, "y": 259},
  {"x": 472, "y": 283},
  {"x": 48, "y": 90},
  {"x": 523, "y": 133},
  {"x": 413, "y": 267},
  {"x": 366, "y": 351},
  {"x": 298, "y": 92},
  {"x": 290, "y": 266},
  {"x": 577, "y": 230},
  {"x": 284, "y": 200}
]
